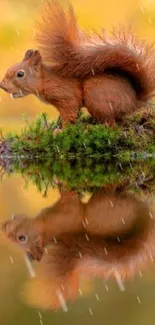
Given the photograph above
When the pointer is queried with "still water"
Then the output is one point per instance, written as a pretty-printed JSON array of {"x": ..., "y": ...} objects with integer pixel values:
[{"x": 77, "y": 243}]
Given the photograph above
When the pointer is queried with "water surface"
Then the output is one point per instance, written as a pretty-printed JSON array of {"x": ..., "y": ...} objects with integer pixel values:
[{"x": 105, "y": 224}]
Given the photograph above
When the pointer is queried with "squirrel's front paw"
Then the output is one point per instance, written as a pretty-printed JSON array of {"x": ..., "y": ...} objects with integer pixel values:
[{"x": 56, "y": 131}]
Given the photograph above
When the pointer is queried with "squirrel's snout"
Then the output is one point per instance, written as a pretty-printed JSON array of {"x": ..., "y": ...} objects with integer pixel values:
[
  {"x": 2, "y": 85},
  {"x": 3, "y": 226}
]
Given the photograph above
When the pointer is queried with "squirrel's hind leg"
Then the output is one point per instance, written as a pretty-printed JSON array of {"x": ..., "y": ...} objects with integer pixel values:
[{"x": 109, "y": 97}]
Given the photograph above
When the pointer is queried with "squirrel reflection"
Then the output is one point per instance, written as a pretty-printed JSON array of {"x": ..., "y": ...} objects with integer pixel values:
[{"x": 113, "y": 233}]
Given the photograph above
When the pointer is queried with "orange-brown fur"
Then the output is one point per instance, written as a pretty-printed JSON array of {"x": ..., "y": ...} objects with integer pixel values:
[
  {"x": 111, "y": 233},
  {"x": 111, "y": 76}
]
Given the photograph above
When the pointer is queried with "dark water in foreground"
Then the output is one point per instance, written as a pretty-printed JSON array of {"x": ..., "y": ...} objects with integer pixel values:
[{"x": 92, "y": 230}]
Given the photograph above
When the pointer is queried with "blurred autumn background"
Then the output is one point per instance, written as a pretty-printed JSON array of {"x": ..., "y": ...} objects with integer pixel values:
[
  {"x": 17, "y": 30},
  {"x": 17, "y": 34}
]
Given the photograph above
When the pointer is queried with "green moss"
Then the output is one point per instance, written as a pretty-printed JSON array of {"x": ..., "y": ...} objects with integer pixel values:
[
  {"x": 85, "y": 174},
  {"x": 85, "y": 139},
  {"x": 84, "y": 155}
]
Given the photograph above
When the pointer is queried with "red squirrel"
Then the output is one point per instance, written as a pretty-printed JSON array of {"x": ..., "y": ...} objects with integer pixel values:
[
  {"x": 110, "y": 76},
  {"x": 110, "y": 235}
]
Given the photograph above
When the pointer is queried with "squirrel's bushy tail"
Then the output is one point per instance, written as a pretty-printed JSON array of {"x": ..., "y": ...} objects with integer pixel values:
[{"x": 74, "y": 53}]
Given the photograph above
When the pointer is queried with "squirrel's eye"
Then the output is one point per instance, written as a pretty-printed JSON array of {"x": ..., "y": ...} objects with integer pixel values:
[
  {"x": 20, "y": 74},
  {"x": 22, "y": 238}
]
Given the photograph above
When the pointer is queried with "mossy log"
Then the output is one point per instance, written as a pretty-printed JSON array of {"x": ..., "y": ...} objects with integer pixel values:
[
  {"x": 135, "y": 136},
  {"x": 84, "y": 155}
]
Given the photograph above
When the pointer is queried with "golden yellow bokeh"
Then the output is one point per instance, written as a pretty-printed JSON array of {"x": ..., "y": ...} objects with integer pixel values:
[{"x": 17, "y": 34}]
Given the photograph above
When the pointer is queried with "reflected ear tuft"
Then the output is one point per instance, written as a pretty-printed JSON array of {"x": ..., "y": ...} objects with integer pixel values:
[
  {"x": 18, "y": 217},
  {"x": 39, "y": 241}
]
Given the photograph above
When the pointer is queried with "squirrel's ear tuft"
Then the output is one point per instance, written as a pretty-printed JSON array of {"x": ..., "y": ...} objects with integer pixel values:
[
  {"x": 36, "y": 57},
  {"x": 28, "y": 55},
  {"x": 33, "y": 56}
]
